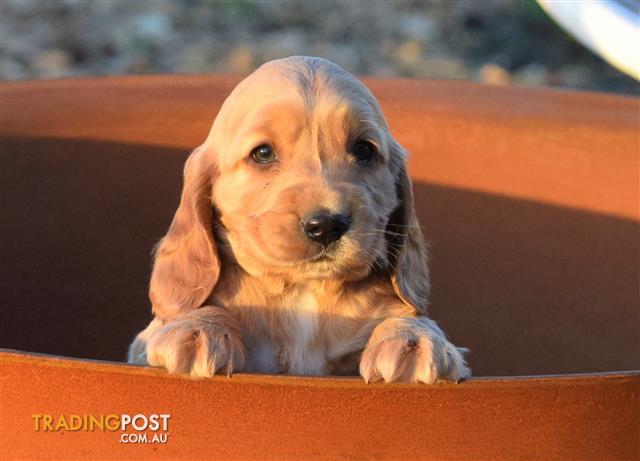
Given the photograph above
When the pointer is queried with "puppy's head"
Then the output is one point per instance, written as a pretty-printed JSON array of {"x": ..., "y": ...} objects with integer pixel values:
[{"x": 306, "y": 182}]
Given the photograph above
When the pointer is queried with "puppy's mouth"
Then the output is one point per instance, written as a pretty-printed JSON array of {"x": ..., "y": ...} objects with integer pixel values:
[
  {"x": 323, "y": 256},
  {"x": 342, "y": 256},
  {"x": 337, "y": 262}
]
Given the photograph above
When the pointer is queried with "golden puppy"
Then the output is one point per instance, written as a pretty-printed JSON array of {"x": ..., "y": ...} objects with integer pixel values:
[{"x": 295, "y": 248}]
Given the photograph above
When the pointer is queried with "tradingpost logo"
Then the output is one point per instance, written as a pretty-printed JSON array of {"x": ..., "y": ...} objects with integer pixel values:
[{"x": 139, "y": 428}]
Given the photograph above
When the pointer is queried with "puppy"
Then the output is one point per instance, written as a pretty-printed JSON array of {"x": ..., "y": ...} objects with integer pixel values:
[{"x": 295, "y": 248}]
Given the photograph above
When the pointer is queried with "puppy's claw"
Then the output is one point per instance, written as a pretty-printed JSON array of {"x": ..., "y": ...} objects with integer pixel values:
[
  {"x": 411, "y": 351},
  {"x": 197, "y": 346}
]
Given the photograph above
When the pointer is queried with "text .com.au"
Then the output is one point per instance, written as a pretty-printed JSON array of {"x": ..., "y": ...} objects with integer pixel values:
[{"x": 138, "y": 428}]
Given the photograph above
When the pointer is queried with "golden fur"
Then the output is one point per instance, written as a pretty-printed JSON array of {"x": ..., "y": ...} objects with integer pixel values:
[{"x": 236, "y": 284}]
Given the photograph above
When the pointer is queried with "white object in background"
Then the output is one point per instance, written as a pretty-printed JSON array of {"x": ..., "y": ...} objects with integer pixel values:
[{"x": 610, "y": 28}]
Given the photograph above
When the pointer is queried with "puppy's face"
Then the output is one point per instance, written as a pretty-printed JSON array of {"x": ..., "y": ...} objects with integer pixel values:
[{"x": 306, "y": 180}]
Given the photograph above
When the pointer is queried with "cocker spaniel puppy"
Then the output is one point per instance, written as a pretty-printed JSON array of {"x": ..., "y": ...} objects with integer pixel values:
[{"x": 295, "y": 248}]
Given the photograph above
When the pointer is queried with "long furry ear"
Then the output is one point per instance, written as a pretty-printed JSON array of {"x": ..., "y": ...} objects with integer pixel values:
[
  {"x": 408, "y": 254},
  {"x": 186, "y": 264}
]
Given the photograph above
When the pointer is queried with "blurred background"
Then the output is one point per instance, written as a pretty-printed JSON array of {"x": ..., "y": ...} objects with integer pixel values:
[{"x": 497, "y": 42}]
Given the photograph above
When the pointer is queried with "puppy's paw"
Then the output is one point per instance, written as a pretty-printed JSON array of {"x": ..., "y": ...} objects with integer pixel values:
[
  {"x": 137, "y": 354},
  {"x": 411, "y": 350},
  {"x": 201, "y": 343}
]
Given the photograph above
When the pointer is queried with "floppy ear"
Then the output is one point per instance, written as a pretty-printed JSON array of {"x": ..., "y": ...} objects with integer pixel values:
[
  {"x": 186, "y": 264},
  {"x": 408, "y": 255}
]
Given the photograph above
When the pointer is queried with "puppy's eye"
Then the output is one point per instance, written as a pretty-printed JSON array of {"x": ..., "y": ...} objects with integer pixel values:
[
  {"x": 264, "y": 153},
  {"x": 364, "y": 151}
]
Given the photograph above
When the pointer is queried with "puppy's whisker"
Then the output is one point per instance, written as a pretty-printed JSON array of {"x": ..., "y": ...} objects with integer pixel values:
[
  {"x": 380, "y": 257},
  {"x": 378, "y": 233},
  {"x": 407, "y": 226}
]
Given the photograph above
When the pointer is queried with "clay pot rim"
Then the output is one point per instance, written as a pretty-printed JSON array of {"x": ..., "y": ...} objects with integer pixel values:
[{"x": 9, "y": 356}]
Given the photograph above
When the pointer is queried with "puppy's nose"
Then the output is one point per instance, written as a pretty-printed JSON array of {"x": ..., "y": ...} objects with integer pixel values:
[{"x": 326, "y": 227}]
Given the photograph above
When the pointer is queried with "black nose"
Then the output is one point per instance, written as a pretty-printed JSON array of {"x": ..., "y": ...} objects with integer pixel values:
[{"x": 326, "y": 227}]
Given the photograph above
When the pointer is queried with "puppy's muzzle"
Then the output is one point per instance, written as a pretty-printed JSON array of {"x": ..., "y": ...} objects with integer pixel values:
[{"x": 326, "y": 228}]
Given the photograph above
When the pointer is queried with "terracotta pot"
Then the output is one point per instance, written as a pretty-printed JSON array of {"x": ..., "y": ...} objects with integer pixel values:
[{"x": 529, "y": 199}]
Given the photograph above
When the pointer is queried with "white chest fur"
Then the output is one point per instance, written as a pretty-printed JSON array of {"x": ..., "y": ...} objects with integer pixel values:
[
  {"x": 300, "y": 350},
  {"x": 306, "y": 352}
]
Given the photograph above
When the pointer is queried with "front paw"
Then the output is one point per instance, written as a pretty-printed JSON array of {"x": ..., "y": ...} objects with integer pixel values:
[
  {"x": 137, "y": 354},
  {"x": 201, "y": 343},
  {"x": 411, "y": 350}
]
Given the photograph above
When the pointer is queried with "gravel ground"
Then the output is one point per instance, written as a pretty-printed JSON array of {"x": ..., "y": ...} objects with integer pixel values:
[{"x": 499, "y": 42}]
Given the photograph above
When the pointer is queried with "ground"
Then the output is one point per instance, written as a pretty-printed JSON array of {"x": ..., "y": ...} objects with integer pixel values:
[{"x": 498, "y": 42}]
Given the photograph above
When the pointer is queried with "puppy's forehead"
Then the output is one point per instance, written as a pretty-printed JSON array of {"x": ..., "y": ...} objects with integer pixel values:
[
  {"x": 291, "y": 94},
  {"x": 316, "y": 80},
  {"x": 313, "y": 83}
]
